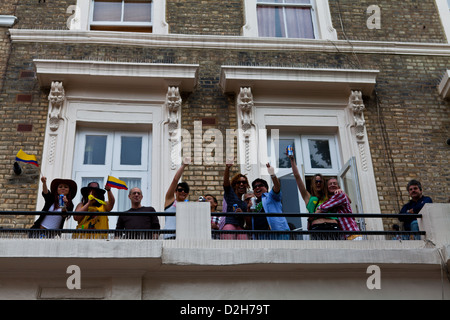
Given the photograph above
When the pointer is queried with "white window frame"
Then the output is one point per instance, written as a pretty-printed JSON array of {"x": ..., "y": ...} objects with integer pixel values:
[
  {"x": 443, "y": 7},
  {"x": 311, "y": 6},
  {"x": 84, "y": 9},
  {"x": 144, "y": 151},
  {"x": 335, "y": 162},
  {"x": 323, "y": 27},
  {"x": 112, "y": 166},
  {"x": 120, "y": 23}
]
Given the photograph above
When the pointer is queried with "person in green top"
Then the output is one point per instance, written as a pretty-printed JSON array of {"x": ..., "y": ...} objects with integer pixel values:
[{"x": 313, "y": 199}]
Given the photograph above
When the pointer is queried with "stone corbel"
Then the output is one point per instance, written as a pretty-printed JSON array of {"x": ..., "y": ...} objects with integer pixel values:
[
  {"x": 173, "y": 105},
  {"x": 245, "y": 105},
  {"x": 56, "y": 100},
  {"x": 357, "y": 107}
]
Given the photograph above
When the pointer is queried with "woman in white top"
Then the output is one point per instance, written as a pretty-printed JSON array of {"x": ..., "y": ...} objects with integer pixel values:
[{"x": 65, "y": 187}]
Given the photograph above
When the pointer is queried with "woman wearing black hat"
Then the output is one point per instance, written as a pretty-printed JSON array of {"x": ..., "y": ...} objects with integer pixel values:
[
  {"x": 94, "y": 201},
  {"x": 59, "y": 187}
]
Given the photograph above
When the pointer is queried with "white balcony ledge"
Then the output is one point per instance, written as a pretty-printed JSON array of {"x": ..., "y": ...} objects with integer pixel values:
[{"x": 194, "y": 265}]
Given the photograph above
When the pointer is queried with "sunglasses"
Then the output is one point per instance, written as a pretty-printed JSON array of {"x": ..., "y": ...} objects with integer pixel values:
[
  {"x": 318, "y": 181},
  {"x": 182, "y": 190},
  {"x": 260, "y": 185}
]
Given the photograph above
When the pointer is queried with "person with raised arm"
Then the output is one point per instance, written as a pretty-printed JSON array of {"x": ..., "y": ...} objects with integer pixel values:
[{"x": 177, "y": 192}]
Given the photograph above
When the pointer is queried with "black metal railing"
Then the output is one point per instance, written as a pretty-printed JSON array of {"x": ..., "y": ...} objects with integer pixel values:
[{"x": 150, "y": 234}]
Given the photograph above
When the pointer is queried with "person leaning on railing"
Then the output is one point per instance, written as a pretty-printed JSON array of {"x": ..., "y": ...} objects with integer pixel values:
[
  {"x": 318, "y": 195},
  {"x": 141, "y": 221},
  {"x": 94, "y": 201},
  {"x": 339, "y": 203},
  {"x": 269, "y": 202},
  {"x": 59, "y": 187},
  {"x": 418, "y": 200}
]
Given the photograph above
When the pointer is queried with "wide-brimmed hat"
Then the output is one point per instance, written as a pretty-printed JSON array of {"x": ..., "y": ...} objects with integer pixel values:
[
  {"x": 73, "y": 188},
  {"x": 86, "y": 190}
]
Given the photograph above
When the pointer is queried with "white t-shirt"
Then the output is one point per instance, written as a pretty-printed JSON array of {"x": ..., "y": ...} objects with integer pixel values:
[{"x": 52, "y": 222}]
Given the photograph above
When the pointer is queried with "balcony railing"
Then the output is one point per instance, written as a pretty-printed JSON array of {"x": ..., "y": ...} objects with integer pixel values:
[{"x": 165, "y": 234}]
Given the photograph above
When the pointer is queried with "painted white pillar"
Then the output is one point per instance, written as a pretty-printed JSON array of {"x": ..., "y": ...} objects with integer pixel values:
[{"x": 193, "y": 221}]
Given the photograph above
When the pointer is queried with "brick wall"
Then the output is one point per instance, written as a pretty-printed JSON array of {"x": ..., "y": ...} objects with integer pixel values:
[
  {"x": 404, "y": 21},
  {"x": 205, "y": 17}
]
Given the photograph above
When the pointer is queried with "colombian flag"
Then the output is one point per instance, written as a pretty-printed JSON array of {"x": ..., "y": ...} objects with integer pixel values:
[
  {"x": 116, "y": 183},
  {"x": 28, "y": 158}
]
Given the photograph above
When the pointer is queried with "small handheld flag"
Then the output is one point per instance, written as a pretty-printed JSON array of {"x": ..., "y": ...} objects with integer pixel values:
[
  {"x": 91, "y": 197},
  {"x": 28, "y": 158},
  {"x": 116, "y": 183}
]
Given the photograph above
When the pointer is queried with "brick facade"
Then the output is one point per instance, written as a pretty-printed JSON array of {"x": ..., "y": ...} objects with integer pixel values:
[{"x": 407, "y": 128}]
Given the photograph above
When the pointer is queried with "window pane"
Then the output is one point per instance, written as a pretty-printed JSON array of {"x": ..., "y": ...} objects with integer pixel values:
[
  {"x": 137, "y": 11},
  {"x": 271, "y": 22},
  {"x": 283, "y": 160},
  {"x": 299, "y": 23},
  {"x": 290, "y": 201},
  {"x": 319, "y": 153},
  {"x": 123, "y": 202},
  {"x": 95, "y": 150},
  {"x": 131, "y": 151},
  {"x": 107, "y": 11}
]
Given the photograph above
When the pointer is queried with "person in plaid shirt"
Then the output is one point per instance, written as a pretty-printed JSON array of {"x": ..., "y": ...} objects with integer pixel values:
[{"x": 339, "y": 203}]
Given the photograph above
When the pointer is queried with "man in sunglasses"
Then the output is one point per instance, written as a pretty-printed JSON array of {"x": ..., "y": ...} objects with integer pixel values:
[{"x": 269, "y": 202}]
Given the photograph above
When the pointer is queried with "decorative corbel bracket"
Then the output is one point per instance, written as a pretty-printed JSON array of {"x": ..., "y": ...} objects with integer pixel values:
[
  {"x": 245, "y": 105},
  {"x": 356, "y": 105},
  {"x": 56, "y": 100},
  {"x": 173, "y": 105}
]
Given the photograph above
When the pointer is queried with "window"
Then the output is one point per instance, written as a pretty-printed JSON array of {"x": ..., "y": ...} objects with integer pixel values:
[
  {"x": 124, "y": 155},
  {"x": 285, "y": 18},
  {"x": 313, "y": 154},
  {"x": 443, "y": 7},
  {"x": 307, "y": 19},
  {"x": 122, "y": 15}
]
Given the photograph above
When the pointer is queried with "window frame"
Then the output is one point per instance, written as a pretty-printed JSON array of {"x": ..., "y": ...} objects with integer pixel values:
[
  {"x": 311, "y": 6},
  {"x": 443, "y": 7},
  {"x": 119, "y": 23},
  {"x": 323, "y": 27},
  {"x": 334, "y": 154},
  {"x": 83, "y": 15}
]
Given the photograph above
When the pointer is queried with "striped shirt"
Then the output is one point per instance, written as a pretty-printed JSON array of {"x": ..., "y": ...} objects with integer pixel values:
[{"x": 340, "y": 203}]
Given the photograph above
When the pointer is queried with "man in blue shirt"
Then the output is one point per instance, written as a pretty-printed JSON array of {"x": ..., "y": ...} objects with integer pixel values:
[
  {"x": 416, "y": 204},
  {"x": 269, "y": 202}
]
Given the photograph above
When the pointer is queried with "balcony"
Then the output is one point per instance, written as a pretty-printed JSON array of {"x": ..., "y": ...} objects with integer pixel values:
[{"x": 197, "y": 266}]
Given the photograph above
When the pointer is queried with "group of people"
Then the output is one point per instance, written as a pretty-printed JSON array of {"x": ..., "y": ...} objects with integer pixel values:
[{"x": 324, "y": 197}]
